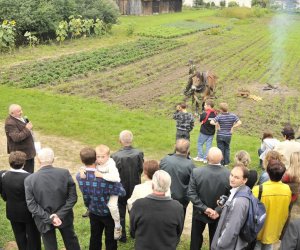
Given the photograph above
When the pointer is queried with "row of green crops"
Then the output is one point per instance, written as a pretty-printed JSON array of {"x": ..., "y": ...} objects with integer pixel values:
[
  {"x": 176, "y": 29},
  {"x": 55, "y": 70}
]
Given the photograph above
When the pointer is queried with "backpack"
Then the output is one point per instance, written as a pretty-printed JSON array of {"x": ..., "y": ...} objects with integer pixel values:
[{"x": 256, "y": 215}]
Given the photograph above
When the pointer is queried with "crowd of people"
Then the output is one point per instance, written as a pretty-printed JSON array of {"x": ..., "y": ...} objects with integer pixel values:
[{"x": 40, "y": 202}]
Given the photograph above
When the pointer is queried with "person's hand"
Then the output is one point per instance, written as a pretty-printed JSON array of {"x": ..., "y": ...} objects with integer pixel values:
[
  {"x": 82, "y": 174},
  {"x": 214, "y": 216},
  {"x": 56, "y": 221},
  {"x": 29, "y": 125},
  {"x": 218, "y": 126},
  {"x": 98, "y": 174},
  {"x": 209, "y": 211}
]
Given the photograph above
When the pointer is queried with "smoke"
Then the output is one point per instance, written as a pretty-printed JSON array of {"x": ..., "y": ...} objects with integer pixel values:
[{"x": 279, "y": 28}]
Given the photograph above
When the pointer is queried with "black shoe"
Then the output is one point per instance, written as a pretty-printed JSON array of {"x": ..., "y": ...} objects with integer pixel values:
[{"x": 86, "y": 214}]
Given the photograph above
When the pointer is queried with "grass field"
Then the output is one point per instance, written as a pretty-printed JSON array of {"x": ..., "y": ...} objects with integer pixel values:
[{"x": 140, "y": 94}]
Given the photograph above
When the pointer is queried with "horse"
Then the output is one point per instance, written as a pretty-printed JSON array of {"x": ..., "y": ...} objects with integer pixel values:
[{"x": 201, "y": 86}]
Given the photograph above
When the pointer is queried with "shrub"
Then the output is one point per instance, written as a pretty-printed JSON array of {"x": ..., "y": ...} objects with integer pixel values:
[
  {"x": 222, "y": 3},
  {"x": 232, "y": 4},
  {"x": 130, "y": 29},
  {"x": 42, "y": 16}
]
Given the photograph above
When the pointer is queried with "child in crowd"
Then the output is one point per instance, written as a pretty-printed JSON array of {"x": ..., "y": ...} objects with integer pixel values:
[
  {"x": 207, "y": 131},
  {"x": 184, "y": 122},
  {"x": 106, "y": 169}
]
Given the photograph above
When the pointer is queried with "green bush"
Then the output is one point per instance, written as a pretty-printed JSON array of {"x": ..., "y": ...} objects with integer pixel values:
[
  {"x": 222, "y": 3},
  {"x": 42, "y": 17},
  {"x": 232, "y": 4}
]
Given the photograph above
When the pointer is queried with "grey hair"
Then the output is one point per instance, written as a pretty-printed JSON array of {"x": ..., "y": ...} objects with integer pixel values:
[
  {"x": 126, "y": 137},
  {"x": 161, "y": 181},
  {"x": 46, "y": 156},
  {"x": 12, "y": 108}
]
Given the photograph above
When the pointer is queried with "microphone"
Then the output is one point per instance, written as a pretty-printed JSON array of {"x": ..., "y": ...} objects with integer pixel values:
[{"x": 26, "y": 119}]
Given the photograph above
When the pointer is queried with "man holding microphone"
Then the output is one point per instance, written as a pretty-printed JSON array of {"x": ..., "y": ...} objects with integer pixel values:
[{"x": 18, "y": 131}]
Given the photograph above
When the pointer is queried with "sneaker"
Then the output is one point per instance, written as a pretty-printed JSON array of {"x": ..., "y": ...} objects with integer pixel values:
[
  {"x": 197, "y": 159},
  {"x": 204, "y": 161},
  {"x": 117, "y": 233},
  {"x": 86, "y": 214}
]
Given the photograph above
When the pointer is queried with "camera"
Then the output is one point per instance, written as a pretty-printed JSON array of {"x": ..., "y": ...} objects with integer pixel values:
[{"x": 221, "y": 202}]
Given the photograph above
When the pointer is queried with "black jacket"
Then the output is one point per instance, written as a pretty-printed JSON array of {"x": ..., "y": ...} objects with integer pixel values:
[
  {"x": 156, "y": 223},
  {"x": 206, "y": 186},
  {"x": 180, "y": 169},
  {"x": 13, "y": 192},
  {"x": 50, "y": 190},
  {"x": 129, "y": 162}
]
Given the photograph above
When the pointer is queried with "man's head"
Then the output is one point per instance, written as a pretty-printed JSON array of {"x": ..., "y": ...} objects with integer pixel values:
[
  {"x": 15, "y": 110},
  {"x": 209, "y": 104},
  {"x": 126, "y": 138},
  {"x": 161, "y": 181},
  {"x": 182, "y": 146},
  {"x": 214, "y": 155},
  {"x": 150, "y": 167},
  {"x": 288, "y": 132},
  {"x": 45, "y": 156},
  {"x": 88, "y": 156},
  {"x": 102, "y": 154},
  {"x": 224, "y": 107},
  {"x": 275, "y": 170},
  {"x": 17, "y": 159},
  {"x": 238, "y": 176}
]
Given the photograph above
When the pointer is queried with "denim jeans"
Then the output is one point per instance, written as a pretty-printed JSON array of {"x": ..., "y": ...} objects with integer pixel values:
[
  {"x": 223, "y": 143},
  {"x": 201, "y": 141}
]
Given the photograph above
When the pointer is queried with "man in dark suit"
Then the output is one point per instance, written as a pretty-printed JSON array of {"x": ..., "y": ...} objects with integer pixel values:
[
  {"x": 50, "y": 196},
  {"x": 206, "y": 186},
  {"x": 129, "y": 162},
  {"x": 179, "y": 167},
  {"x": 19, "y": 135},
  {"x": 13, "y": 192}
]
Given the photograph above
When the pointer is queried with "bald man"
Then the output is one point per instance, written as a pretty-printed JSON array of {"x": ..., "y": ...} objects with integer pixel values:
[
  {"x": 206, "y": 186},
  {"x": 179, "y": 168},
  {"x": 19, "y": 135}
]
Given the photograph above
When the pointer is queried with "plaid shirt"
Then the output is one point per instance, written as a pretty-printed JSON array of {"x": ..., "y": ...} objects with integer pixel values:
[
  {"x": 96, "y": 192},
  {"x": 185, "y": 121}
]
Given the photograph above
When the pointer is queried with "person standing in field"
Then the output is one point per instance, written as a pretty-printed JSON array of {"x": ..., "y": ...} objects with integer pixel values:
[
  {"x": 207, "y": 131},
  {"x": 225, "y": 122},
  {"x": 184, "y": 122},
  {"x": 129, "y": 161},
  {"x": 18, "y": 131}
]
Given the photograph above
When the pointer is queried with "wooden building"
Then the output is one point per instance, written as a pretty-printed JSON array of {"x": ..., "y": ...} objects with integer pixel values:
[{"x": 148, "y": 7}]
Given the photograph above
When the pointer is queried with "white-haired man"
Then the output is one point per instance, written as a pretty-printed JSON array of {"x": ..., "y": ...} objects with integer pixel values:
[
  {"x": 129, "y": 162},
  {"x": 156, "y": 221},
  {"x": 50, "y": 196},
  {"x": 18, "y": 131}
]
